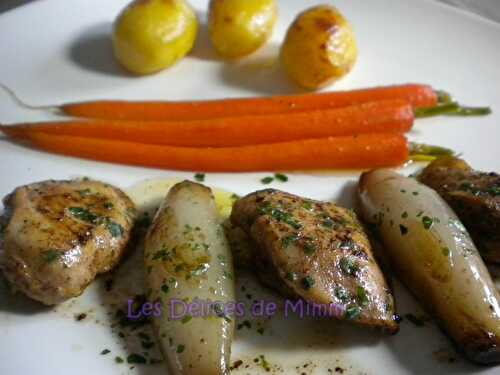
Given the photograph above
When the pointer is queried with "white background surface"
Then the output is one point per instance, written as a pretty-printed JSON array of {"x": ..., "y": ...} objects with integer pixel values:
[{"x": 55, "y": 51}]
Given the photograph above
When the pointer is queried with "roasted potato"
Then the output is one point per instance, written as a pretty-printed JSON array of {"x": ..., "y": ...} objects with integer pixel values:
[
  {"x": 239, "y": 27},
  {"x": 319, "y": 47},
  {"x": 151, "y": 35}
]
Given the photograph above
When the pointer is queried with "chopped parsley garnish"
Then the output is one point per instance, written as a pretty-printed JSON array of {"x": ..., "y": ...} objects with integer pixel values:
[
  {"x": 404, "y": 215},
  {"x": 328, "y": 222},
  {"x": 403, "y": 230},
  {"x": 362, "y": 296},
  {"x": 105, "y": 351},
  {"x": 186, "y": 319},
  {"x": 245, "y": 323},
  {"x": 115, "y": 229},
  {"x": 415, "y": 193},
  {"x": 267, "y": 180},
  {"x": 200, "y": 177},
  {"x": 136, "y": 359},
  {"x": 108, "y": 205},
  {"x": 281, "y": 177},
  {"x": 352, "y": 312},
  {"x": 308, "y": 282},
  {"x": 280, "y": 215},
  {"x": 289, "y": 240},
  {"x": 292, "y": 276},
  {"x": 309, "y": 247},
  {"x": 349, "y": 266},
  {"x": 162, "y": 254},
  {"x": 165, "y": 288},
  {"x": 83, "y": 214},
  {"x": 119, "y": 360},
  {"x": 427, "y": 222},
  {"x": 342, "y": 294},
  {"x": 446, "y": 251},
  {"x": 50, "y": 256},
  {"x": 180, "y": 349},
  {"x": 228, "y": 275},
  {"x": 307, "y": 205},
  {"x": 84, "y": 192}
]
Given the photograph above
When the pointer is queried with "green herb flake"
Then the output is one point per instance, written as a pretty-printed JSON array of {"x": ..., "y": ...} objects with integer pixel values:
[
  {"x": 291, "y": 276},
  {"x": 119, "y": 360},
  {"x": 50, "y": 256},
  {"x": 267, "y": 180},
  {"x": 281, "y": 177},
  {"x": 200, "y": 177},
  {"x": 281, "y": 216},
  {"x": 446, "y": 251},
  {"x": 309, "y": 247},
  {"x": 84, "y": 192},
  {"x": 362, "y": 296},
  {"x": 415, "y": 193},
  {"x": 186, "y": 319},
  {"x": 162, "y": 254},
  {"x": 427, "y": 222},
  {"x": 165, "y": 288},
  {"x": 136, "y": 359},
  {"x": 352, "y": 312},
  {"x": 180, "y": 349},
  {"x": 342, "y": 294},
  {"x": 105, "y": 351},
  {"x": 403, "y": 230},
  {"x": 83, "y": 214},
  {"x": 108, "y": 205},
  {"x": 328, "y": 223},
  {"x": 289, "y": 240},
  {"x": 260, "y": 331},
  {"x": 349, "y": 266},
  {"x": 307, "y": 205},
  {"x": 404, "y": 215},
  {"x": 115, "y": 229},
  {"x": 308, "y": 282}
]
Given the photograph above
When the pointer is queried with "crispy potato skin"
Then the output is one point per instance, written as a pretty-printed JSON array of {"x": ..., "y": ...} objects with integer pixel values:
[
  {"x": 151, "y": 35},
  {"x": 319, "y": 47},
  {"x": 239, "y": 27}
]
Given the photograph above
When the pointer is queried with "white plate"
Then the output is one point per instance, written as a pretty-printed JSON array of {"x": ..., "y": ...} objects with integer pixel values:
[{"x": 56, "y": 51}]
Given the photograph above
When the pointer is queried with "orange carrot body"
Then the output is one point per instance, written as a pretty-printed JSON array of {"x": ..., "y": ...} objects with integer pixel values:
[
  {"x": 378, "y": 117},
  {"x": 363, "y": 151},
  {"x": 415, "y": 94}
]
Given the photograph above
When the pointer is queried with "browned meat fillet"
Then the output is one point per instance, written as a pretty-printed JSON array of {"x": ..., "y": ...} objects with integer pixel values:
[
  {"x": 58, "y": 235},
  {"x": 474, "y": 196},
  {"x": 318, "y": 252}
]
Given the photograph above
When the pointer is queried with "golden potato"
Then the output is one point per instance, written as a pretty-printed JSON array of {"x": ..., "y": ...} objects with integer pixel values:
[
  {"x": 239, "y": 27},
  {"x": 151, "y": 35},
  {"x": 319, "y": 47}
]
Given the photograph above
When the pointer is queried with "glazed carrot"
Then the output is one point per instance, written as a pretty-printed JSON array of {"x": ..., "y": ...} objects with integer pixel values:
[
  {"x": 415, "y": 94},
  {"x": 363, "y": 151},
  {"x": 379, "y": 117}
]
